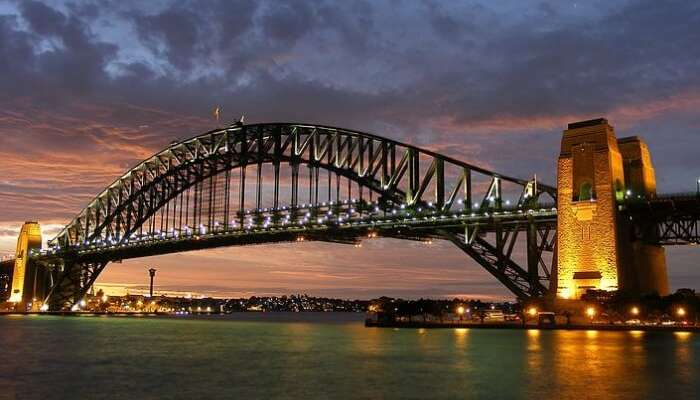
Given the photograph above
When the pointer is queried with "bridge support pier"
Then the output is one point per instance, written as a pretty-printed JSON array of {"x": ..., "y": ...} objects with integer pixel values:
[
  {"x": 27, "y": 277},
  {"x": 644, "y": 268},
  {"x": 596, "y": 174}
]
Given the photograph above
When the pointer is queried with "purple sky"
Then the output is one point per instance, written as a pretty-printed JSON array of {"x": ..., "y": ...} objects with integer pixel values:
[{"x": 87, "y": 89}]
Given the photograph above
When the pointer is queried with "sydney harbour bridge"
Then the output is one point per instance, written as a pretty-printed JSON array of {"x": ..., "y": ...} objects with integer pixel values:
[{"x": 290, "y": 182}]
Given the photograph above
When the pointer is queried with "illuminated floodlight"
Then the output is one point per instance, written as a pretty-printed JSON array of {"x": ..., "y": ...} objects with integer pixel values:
[{"x": 590, "y": 312}]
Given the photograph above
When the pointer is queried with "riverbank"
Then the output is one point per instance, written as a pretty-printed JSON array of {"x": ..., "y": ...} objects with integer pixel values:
[
  {"x": 572, "y": 327},
  {"x": 369, "y": 323},
  {"x": 88, "y": 314}
]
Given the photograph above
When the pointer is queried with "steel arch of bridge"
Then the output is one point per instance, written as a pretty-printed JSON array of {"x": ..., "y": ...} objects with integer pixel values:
[{"x": 196, "y": 194}]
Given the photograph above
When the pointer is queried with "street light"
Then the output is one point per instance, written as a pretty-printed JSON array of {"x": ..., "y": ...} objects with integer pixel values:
[
  {"x": 634, "y": 311},
  {"x": 680, "y": 311},
  {"x": 590, "y": 312},
  {"x": 460, "y": 311}
]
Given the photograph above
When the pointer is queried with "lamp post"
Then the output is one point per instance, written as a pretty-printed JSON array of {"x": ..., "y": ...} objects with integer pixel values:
[
  {"x": 634, "y": 311},
  {"x": 698, "y": 190},
  {"x": 532, "y": 312},
  {"x": 590, "y": 312},
  {"x": 152, "y": 274},
  {"x": 681, "y": 312}
]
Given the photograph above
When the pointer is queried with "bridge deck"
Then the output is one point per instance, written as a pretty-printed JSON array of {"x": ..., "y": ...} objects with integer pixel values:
[{"x": 400, "y": 225}]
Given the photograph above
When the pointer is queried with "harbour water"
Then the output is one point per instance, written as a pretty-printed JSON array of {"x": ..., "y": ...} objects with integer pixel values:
[{"x": 332, "y": 356}]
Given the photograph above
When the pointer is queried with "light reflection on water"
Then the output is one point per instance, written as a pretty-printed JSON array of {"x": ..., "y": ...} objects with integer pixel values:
[{"x": 334, "y": 356}]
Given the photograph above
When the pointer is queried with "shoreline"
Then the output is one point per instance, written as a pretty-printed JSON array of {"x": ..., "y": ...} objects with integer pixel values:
[
  {"x": 157, "y": 313},
  {"x": 572, "y": 327},
  {"x": 90, "y": 313},
  {"x": 395, "y": 325}
]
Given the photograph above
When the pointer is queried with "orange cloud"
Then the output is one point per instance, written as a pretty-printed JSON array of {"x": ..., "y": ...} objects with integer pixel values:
[{"x": 621, "y": 115}]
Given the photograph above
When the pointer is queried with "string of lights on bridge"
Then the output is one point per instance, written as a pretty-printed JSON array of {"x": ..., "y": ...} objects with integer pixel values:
[{"x": 323, "y": 216}]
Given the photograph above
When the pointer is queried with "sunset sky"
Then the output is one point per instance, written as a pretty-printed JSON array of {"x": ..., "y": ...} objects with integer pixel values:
[{"x": 88, "y": 89}]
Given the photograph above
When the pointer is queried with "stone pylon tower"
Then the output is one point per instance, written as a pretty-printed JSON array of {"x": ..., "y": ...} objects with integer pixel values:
[
  {"x": 23, "y": 275},
  {"x": 644, "y": 268},
  {"x": 596, "y": 250}
]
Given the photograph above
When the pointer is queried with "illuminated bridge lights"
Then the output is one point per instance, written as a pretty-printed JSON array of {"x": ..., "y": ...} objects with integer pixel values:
[{"x": 402, "y": 216}]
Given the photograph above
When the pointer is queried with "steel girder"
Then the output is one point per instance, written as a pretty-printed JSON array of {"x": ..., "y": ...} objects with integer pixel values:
[
  {"x": 495, "y": 253},
  {"x": 72, "y": 281},
  {"x": 188, "y": 187},
  {"x": 665, "y": 220}
]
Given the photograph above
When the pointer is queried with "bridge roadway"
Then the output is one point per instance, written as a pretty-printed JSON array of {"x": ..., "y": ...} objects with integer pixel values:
[
  {"x": 397, "y": 223},
  {"x": 672, "y": 219}
]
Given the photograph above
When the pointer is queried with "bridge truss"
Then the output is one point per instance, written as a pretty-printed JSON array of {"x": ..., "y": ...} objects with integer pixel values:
[
  {"x": 671, "y": 219},
  {"x": 291, "y": 182}
]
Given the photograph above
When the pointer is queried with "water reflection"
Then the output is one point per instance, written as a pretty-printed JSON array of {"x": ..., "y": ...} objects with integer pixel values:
[
  {"x": 533, "y": 333},
  {"x": 320, "y": 361},
  {"x": 594, "y": 364},
  {"x": 460, "y": 335},
  {"x": 534, "y": 360},
  {"x": 683, "y": 356},
  {"x": 637, "y": 334}
]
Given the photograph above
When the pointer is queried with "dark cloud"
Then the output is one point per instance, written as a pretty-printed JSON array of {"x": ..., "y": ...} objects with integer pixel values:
[
  {"x": 43, "y": 19},
  {"x": 16, "y": 51},
  {"x": 469, "y": 64},
  {"x": 57, "y": 56},
  {"x": 287, "y": 22},
  {"x": 177, "y": 30}
]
